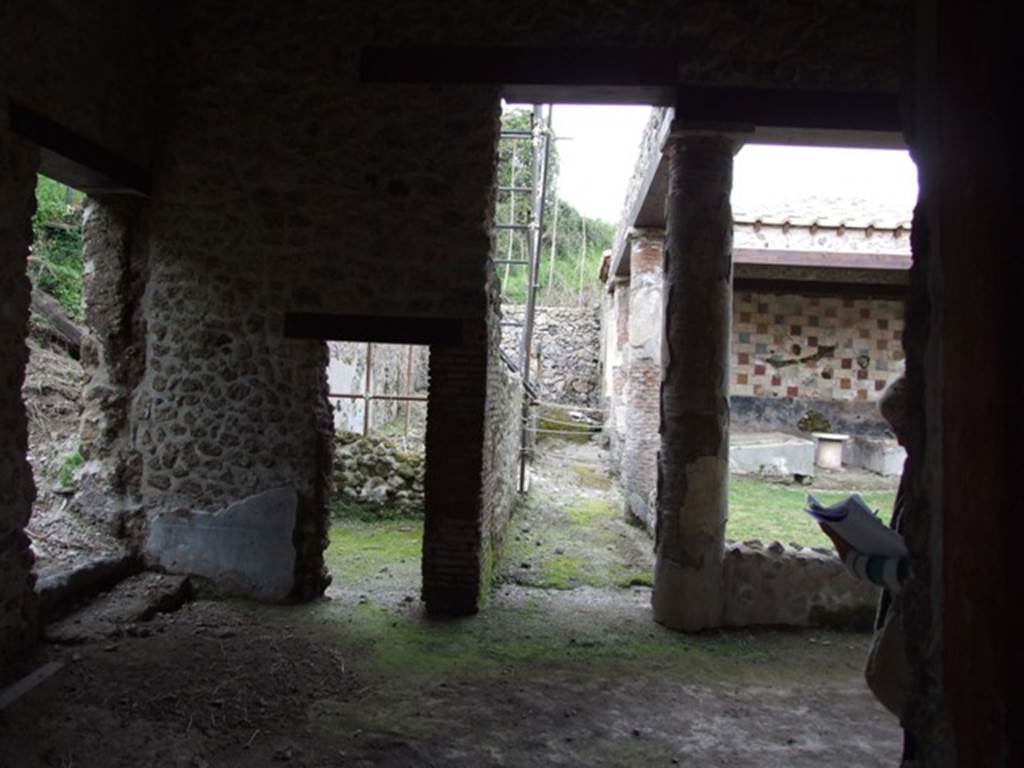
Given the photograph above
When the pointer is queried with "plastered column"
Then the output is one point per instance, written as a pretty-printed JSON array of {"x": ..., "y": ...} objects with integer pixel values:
[
  {"x": 693, "y": 467},
  {"x": 640, "y": 457},
  {"x": 619, "y": 358}
]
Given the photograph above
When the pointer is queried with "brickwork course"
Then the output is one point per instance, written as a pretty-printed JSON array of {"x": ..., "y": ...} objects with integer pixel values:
[{"x": 642, "y": 387}]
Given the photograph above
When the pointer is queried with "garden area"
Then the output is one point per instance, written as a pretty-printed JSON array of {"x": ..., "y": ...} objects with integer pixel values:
[{"x": 568, "y": 532}]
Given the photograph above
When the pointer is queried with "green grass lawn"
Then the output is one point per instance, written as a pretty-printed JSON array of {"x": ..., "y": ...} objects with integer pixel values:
[{"x": 774, "y": 512}]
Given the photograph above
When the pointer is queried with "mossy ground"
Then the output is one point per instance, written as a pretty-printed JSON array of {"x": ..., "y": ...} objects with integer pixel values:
[
  {"x": 524, "y": 629},
  {"x": 362, "y": 555},
  {"x": 580, "y": 541},
  {"x": 583, "y": 597}
]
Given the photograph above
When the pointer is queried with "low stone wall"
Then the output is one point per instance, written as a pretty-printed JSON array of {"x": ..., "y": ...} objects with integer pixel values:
[
  {"x": 769, "y": 414},
  {"x": 792, "y": 586},
  {"x": 567, "y": 341},
  {"x": 373, "y": 476}
]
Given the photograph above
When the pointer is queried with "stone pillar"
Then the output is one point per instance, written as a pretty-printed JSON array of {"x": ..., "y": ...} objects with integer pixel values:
[
  {"x": 18, "y": 610},
  {"x": 114, "y": 359},
  {"x": 619, "y": 360},
  {"x": 453, "y": 547},
  {"x": 640, "y": 457},
  {"x": 693, "y": 468}
]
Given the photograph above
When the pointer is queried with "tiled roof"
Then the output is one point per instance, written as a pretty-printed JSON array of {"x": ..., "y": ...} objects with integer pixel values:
[{"x": 854, "y": 213}]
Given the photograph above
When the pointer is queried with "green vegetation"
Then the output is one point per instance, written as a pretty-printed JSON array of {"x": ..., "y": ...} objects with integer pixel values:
[
  {"x": 774, "y": 512},
  {"x": 576, "y": 241},
  {"x": 814, "y": 421},
  {"x": 66, "y": 474},
  {"x": 56, "y": 263}
]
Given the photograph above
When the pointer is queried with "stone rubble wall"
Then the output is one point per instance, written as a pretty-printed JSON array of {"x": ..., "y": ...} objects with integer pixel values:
[
  {"x": 18, "y": 607},
  {"x": 792, "y": 586},
  {"x": 114, "y": 357},
  {"x": 568, "y": 343},
  {"x": 376, "y": 476},
  {"x": 387, "y": 221}
]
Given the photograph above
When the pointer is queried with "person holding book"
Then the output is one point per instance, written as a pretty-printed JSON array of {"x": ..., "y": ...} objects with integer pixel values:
[{"x": 887, "y": 671}]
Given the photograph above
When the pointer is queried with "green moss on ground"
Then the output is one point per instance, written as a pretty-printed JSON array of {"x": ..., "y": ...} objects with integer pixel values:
[
  {"x": 359, "y": 551},
  {"x": 584, "y": 543},
  {"x": 528, "y": 635}
]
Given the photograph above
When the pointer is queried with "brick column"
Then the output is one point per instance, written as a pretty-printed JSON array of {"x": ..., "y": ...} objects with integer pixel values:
[
  {"x": 18, "y": 625},
  {"x": 619, "y": 361},
  {"x": 640, "y": 457},
  {"x": 453, "y": 550},
  {"x": 693, "y": 469}
]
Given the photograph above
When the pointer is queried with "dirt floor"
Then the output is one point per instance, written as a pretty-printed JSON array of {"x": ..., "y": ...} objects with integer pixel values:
[{"x": 562, "y": 667}]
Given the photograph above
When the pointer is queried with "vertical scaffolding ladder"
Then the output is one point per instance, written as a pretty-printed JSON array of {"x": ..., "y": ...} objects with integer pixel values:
[{"x": 540, "y": 139}]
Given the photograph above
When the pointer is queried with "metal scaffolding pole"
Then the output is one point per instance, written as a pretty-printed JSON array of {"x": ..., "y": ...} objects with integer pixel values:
[{"x": 541, "y": 156}]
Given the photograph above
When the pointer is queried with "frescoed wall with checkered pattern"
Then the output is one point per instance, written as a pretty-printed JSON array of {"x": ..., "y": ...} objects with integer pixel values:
[{"x": 819, "y": 348}]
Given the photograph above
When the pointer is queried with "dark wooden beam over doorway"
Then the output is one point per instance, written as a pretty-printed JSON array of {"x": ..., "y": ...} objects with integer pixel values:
[{"x": 627, "y": 76}]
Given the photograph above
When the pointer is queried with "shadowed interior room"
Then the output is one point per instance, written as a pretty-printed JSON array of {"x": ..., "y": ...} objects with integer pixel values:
[{"x": 256, "y": 182}]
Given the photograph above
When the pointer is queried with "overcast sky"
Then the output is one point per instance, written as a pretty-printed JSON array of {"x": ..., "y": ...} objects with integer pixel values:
[{"x": 598, "y": 148}]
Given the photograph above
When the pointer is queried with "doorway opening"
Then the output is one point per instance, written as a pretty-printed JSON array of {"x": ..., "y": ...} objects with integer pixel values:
[
  {"x": 821, "y": 244},
  {"x": 63, "y": 535},
  {"x": 378, "y": 395}
]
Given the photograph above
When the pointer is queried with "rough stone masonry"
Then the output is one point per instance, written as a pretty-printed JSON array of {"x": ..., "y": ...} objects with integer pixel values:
[{"x": 17, "y": 203}]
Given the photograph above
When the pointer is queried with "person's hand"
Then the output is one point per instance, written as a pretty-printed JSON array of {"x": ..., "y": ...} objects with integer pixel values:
[{"x": 841, "y": 545}]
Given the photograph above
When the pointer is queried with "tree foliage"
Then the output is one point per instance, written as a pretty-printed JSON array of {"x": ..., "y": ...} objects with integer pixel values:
[
  {"x": 571, "y": 244},
  {"x": 56, "y": 262}
]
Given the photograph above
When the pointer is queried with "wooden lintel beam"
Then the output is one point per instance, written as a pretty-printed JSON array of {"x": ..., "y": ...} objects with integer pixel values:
[
  {"x": 75, "y": 160},
  {"x": 628, "y": 75},
  {"x": 435, "y": 331},
  {"x": 785, "y": 108},
  {"x": 609, "y": 67}
]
